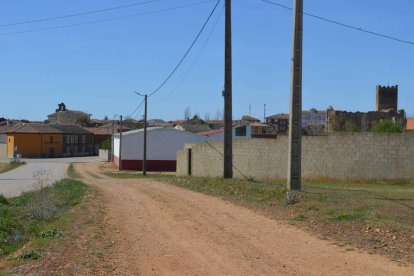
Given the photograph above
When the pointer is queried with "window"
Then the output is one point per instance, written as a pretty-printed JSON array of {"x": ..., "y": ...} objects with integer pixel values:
[
  {"x": 51, "y": 139},
  {"x": 68, "y": 139},
  {"x": 72, "y": 139},
  {"x": 241, "y": 131},
  {"x": 83, "y": 139},
  {"x": 76, "y": 139},
  {"x": 83, "y": 148}
]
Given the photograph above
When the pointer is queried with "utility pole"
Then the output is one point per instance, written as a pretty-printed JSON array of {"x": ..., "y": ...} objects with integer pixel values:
[
  {"x": 120, "y": 144},
  {"x": 228, "y": 120},
  {"x": 109, "y": 144},
  {"x": 144, "y": 165},
  {"x": 295, "y": 116},
  {"x": 264, "y": 113},
  {"x": 144, "y": 159}
]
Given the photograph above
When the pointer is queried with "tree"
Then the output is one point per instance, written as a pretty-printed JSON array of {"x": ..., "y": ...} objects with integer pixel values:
[
  {"x": 106, "y": 118},
  {"x": 187, "y": 113},
  {"x": 387, "y": 126},
  {"x": 82, "y": 120}
]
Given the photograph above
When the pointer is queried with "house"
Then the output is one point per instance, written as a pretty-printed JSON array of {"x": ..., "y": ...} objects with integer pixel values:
[
  {"x": 410, "y": 124},
  {"x": 280, "y": 121},
  {"x": 162, "y": 147},
  {"x": 158, "y": 123},
  {"x": 250, "y": 119},
  {"x": 195, "y": 125},
  {"x": 239, "y": 132},
  {"x": 314, "y": 121},
  {"x": 65, "y": 116},
  {"x": 76, "y": 141},
  {"x": 32, "y": 140}
]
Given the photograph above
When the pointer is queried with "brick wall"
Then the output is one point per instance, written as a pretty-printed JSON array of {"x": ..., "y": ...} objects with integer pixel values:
[{"x": 342, "y": 155}]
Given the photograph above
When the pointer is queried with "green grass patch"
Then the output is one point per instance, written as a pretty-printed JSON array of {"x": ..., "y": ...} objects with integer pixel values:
[{"x": 37, "y": 213}]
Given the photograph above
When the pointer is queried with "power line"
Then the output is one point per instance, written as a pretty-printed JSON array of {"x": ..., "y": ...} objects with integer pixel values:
[
  {"x": 342, "y": 24},
  {"x": 136, "y": 110},
  {"x": 196, "y": 59},
  {"x": 109, "y": 19},
  {"x": 186, "y": 53},
  {"x": 76, "y": 14}
]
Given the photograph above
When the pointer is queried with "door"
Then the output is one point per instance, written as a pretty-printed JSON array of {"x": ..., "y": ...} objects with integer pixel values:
[{"x": 51, "y": 153}]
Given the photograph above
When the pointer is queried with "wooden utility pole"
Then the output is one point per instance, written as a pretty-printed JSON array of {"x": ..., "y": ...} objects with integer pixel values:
[
  {"x": 295, "y": 117},
  {"x": 120, "y": 144},
  {"x": 144, "y": 161},
  {"x": 228, "y": 118}
]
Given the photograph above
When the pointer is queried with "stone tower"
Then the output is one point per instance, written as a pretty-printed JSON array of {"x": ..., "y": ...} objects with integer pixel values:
[{"x": 387, "y": 97}]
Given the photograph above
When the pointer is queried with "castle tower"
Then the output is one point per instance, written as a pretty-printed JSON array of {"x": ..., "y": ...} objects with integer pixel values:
[{"x": 387, "y": 97}]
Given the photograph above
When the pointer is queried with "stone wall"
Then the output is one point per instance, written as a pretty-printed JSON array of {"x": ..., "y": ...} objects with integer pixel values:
[
  {"x": 342, "y": 155},
  {"x": 362, "y": 121}
]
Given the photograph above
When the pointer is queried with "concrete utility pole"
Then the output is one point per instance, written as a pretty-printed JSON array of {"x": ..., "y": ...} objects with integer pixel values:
[
  {"x": 144, "y": 161},
  {"x": 120, "y": 144},
  {"x": 228, "y": 118},
  {"x": 295, "y": 117}
]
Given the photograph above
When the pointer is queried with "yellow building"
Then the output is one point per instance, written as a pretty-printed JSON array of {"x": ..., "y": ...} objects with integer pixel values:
[{"x": 34, "y": 140}]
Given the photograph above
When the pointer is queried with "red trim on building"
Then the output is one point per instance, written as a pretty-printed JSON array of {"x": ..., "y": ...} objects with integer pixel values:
[{"x": 152, "y": 165}]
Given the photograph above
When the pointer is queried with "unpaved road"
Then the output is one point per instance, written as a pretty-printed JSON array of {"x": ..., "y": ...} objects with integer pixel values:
[{"x": 160, "y": 229}]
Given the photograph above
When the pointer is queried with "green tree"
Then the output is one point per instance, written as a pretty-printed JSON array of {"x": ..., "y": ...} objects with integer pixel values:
[
  {"x": 82, "y": 120},
  {"x": 387, "y": 126}
]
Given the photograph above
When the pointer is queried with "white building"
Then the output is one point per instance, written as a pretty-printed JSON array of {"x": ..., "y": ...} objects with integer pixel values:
[
  {"x": 162, "y": 147},
  {"x": 240, "y": 132}
]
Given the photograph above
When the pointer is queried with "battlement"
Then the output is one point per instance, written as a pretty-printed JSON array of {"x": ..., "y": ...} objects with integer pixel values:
[{"x": 387, "y": 97}]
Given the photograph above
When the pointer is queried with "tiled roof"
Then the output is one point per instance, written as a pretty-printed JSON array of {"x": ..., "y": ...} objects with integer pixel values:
[
  {"x": 249, "y": 118},
  {"x": 71, "y": 129},
  {"x": 279, "y": 116},
  {"x": 33, "y": 128},
  {"x": 211, "y": 132},
  {"x": 256, "y": 124}
]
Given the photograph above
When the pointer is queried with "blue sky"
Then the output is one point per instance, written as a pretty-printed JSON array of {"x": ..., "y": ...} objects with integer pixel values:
[{"x": 96, "y": 67}]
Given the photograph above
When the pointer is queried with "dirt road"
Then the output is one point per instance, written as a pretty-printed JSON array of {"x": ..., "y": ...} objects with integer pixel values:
[{"x": 160, "y": 229}]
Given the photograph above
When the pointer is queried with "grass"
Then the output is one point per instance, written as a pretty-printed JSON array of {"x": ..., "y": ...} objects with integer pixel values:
[
  {"x": 25, "y": 217},
  {"x": 5, "y": 167}
]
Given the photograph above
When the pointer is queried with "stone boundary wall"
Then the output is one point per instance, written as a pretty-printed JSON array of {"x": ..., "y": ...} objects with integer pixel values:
[{"x": 342, "y": 155}]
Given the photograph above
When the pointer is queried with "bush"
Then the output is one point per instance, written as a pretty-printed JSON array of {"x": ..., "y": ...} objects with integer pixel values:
[
  {"x": 387, "y": 126},
  {"x": 105, "y": 145}
]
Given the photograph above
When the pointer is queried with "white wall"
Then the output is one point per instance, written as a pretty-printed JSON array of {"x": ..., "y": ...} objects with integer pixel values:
[
  {"x": 162, "y": 144},
  {"x": 116, "y": 146}
]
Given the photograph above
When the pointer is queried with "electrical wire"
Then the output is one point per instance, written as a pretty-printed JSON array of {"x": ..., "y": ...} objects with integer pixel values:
[
  {"x": 110, "y": 19},
  {"x": 186, "y": 53},
  {"x": 196, "y": 59},
  {"x": 342, "y": 24},
  {"x": 136, "y": 110},
  {"x": 77, "y": 14}
]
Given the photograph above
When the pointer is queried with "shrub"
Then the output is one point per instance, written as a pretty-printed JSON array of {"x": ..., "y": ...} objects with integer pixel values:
[{"x": 387, "y": 126}]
